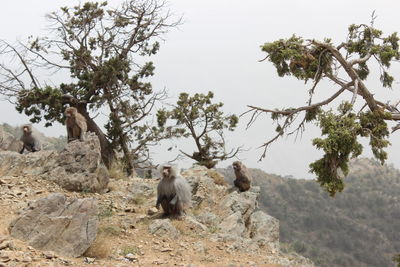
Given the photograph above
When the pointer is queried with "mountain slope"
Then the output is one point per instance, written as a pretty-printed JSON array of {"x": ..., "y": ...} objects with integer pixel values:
[{"x": 358, "y": 227}]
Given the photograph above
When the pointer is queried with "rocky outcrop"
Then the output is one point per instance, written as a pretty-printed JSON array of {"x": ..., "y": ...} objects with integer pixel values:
[
  {"x": 65, "y": 226},
  {"x": 77, "y": 168},
  {"x": 8, "y": 141},
  {"x": 234, "y": 217}
]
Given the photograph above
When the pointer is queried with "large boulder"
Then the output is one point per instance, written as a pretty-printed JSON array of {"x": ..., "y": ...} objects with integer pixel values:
[
  {"x": 55, "y": 223},
  {"x": 77, "y": 168}
]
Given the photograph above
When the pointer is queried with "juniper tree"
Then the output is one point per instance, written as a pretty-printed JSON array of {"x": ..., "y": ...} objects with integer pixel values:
[
  {"x": 346, "y": 66},
  {"x": 101, "y": 51},
  {"x": 197, "y": 117}
]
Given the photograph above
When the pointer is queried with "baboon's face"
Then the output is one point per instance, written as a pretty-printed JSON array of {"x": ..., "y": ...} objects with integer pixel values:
[
  {"x": 26, "y": 130},
  {"x": 166, "y": 171},
  {"x": 237, "y": 166},
  {"x": 70, "y": 112}
]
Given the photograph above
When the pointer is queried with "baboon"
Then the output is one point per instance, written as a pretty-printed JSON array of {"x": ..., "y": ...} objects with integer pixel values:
[
  {"x": 173, "y": 192},
  {"x": 29, "y": 140},
  {"x": 76, "y": 124},
  {"x": 243, "y": 178}
]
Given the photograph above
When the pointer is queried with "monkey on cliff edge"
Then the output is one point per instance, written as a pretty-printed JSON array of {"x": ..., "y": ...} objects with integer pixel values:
[
  {"x": 174, "y": 193},
  {"x": 243, "y": 178}
]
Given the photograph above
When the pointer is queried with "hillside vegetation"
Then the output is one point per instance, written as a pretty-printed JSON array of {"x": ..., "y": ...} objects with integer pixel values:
[{"x": 358, "y": 227}]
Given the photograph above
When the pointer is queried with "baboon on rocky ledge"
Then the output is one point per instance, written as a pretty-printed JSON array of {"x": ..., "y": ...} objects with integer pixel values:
[
  {"x": 243, "y": 178},
  {"x": 173, "y": 192},
  {"x": 75, "y": 123}
]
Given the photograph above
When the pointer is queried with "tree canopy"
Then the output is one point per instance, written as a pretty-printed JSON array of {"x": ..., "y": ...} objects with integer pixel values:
[
  {"x": 346, "y": 66},
  {"x": 197, "y": 117},
  {"x": 104, "y": 50}
]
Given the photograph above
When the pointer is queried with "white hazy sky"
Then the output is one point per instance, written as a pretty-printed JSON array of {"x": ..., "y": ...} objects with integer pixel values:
[{"x": 217, "y": 48}]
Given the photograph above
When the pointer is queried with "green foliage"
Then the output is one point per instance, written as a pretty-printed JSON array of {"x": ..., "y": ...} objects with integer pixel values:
[
  {"x": 341, "y": 144},
  {"x": 197, "y": 117},
  {"x": 41, "y": 103},
  {"x": 105, "y": 51},
  {"x": 293, "y": 57},
  {"x": 347, "y": 66}
]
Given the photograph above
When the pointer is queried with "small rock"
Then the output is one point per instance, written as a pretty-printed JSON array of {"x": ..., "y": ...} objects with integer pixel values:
[
  {"x": 49, "y": 255},
  {"x": 131, "y": 209},
  {"x": 164, "y": 227},
  {"x": 152, "y": 211},
  {"x": 6, "y": 244},
  {"x": 4, "y": 256},
  {"x": 199, "y": 247},
  {"x": 27, "y": 259},
  {"x": 89, "y": 260},
  {"x": 166, "y": 249},
  {"x": 131, "y": 257}
]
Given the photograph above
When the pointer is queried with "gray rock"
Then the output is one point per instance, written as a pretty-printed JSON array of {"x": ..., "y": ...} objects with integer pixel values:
[
  {"x": 164, "y": 227},
  {"x": 77, "y": 168},
  {"x": 208, "y": 218},
  {"x": 65, "y": 226},
  {"x": 264, "y": 230},
  {"x": 140, "y": 189},
  {"x": 245, "y": 203},
  {"x": 233, "y": 225},
  {"x": 194, "y": 225},
  {"x": 8, "y": 141},
  {"x": 199, "y": 247}
]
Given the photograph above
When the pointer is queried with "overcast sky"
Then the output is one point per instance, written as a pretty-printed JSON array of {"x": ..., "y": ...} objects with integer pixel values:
[{"x": 217, "y": 48}]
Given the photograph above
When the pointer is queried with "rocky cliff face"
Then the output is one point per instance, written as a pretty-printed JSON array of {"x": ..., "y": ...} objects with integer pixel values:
[
  {"x": 60, "y": 208},
  {"x": 77, "y": 168}
]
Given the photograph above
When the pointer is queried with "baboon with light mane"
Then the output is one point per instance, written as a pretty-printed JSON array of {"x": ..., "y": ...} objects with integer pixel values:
[
  {"x": 76, "y": 124},
  {"x": 29, "y": 140},
  {"x": 173, "y": 192},
  {"x": 243, "y": 178}
]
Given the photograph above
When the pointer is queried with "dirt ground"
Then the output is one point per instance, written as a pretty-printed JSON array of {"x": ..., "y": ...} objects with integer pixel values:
[{"x": 123, "y": 238}]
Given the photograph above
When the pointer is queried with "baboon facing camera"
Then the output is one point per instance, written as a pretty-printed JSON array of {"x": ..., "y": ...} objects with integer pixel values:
[
  {"x": 29, "y": 140},
  {"x": 173, "y": 192}
]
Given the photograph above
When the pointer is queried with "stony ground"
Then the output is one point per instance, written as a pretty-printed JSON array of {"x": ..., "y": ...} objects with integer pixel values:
[{"x": 123, "y": 238}]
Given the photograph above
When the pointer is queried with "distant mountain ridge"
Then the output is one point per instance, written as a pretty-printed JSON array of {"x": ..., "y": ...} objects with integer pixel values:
[{"x": 358, "y": 227}]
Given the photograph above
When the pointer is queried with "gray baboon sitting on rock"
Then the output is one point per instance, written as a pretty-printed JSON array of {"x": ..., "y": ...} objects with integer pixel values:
[{"x": 173, "y": 192}]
